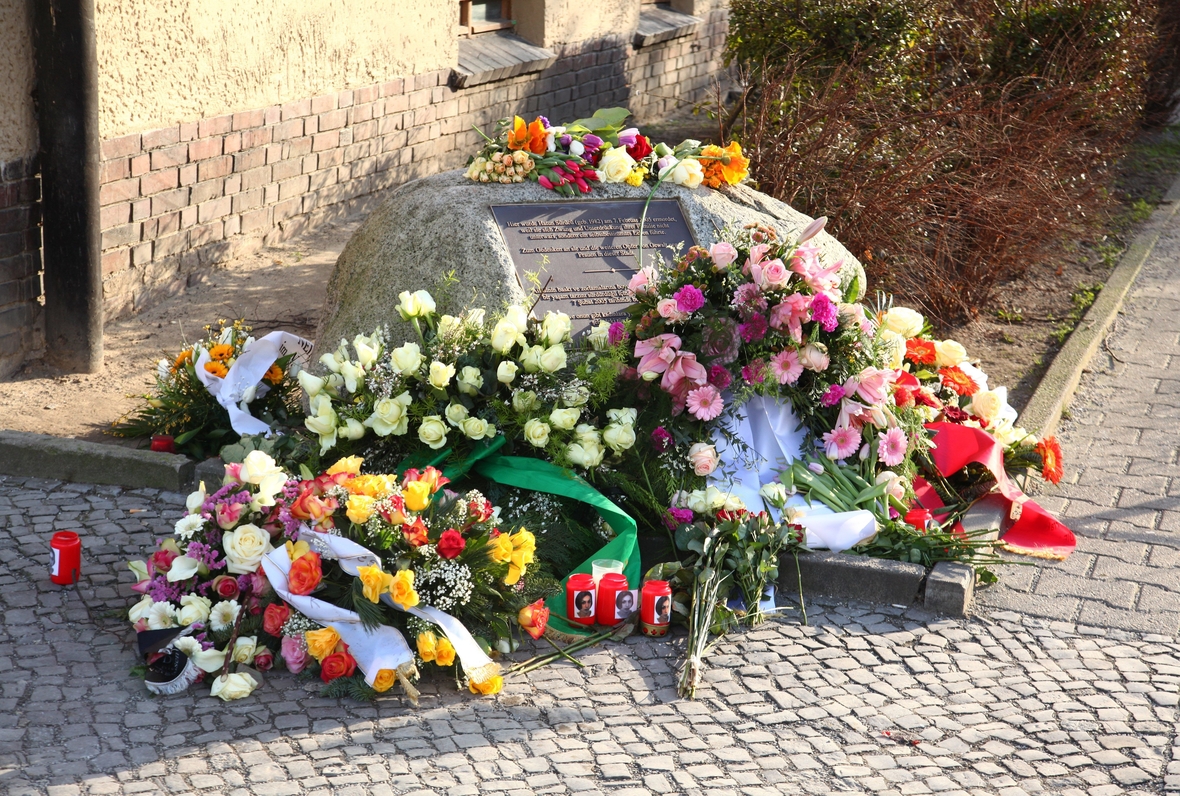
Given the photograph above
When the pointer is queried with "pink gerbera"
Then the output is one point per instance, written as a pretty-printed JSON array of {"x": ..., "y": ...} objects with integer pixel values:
[
  {"x": 892, "y": 447},
  {"x": 785, "y": 366},
  {"x": 704, "y": 403},
  {"x": 841, "y": 442}
]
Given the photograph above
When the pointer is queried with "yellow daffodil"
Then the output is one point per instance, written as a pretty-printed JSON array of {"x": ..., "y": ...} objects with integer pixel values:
[
  {"x": 417, "y": 495},
  {"x": 321, "y": 643},
  {"x": 445, "y": 653},
  {"x": 375, "y": 582},
  {"x": 401, "y": 589},
  {"x": 360, "y": 508},
  {"x": 427, "y": 646}
]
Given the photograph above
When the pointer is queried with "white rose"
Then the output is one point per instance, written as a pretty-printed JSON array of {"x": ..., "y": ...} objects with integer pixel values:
[
  {"x": 244, "y": 649},
  {"x": 161, "y": 616},
  {"x": 518, "y": 318},
  {"x": 948, "y": 353},
  {"x": 390, "y": 416},
  {"x": 441, "y": 374},
  {"x": 732, "y": 502},
  {"x": 448, "y": 324},
  {"x": 261, "y": 470},
  {"x": 586, "y": 433},
  {"x": 244, "y": 548},
  {"x": 367, "y": 349},
  {"x": 585, "y": 453},
  {"x": 456, "y": 414},
  {"x": 312, "y": 385},
  {"x": 906, "y": 322},
  {"x": 599, "y": 336},
  {"x": 140, "y": 609},
  {"x": 814, "y": 356},
  {"x": 194, "y": 608},
  {"x": 553, "y": 358},
  {"x": 233, "y": 686},
  {"x": 564, "y": 419},
  {"x": 615, "y": 165},
  {"x": 624, "y": 417},
  {"x": 506, "y": 372},
  {"x": 337, "y": 358},
  {"x": 188, "y": 525},
  {"x": 477, "y": 428},
  {"x": 774, "y": 493},
  {"x": 536, "y": 432},
  {"x": 418, "y": 304},
  {"x": 688, "y": 173},
  {"x": 576, "y": 395},
  {"x": 475, "y": 317},
  {"x": 703, "y": 458},
  {"x": 986, "y": 405},
  {"x": 530, "y": 358},
  {"x": 322, "y": 421},
  {"x": 352, "y": 429},
  {"x": 618, "y": 437},
  {"x": 433, "y": 432},
  {"x": 505, "y": 335},
  {"x": 524, "y": 401},
  {"x": 696, "y": 501},
  {"x": 353, "y": 375},
  {"x": 470, "y": 380},
  {"x": 406, "y": 359},
  {"x": 555, "y": 328},
  {"x": 183, "y": 568}
]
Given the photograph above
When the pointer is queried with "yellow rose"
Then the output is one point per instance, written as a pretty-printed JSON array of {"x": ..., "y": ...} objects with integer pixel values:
[
  {"x": 373, "y": 486},
  {"x": 233, "y": 686},
  {"x": 445, "y": 653},
  {"x": 384, "y": 680},
  {"x": 553, "y": 358},
  {"x": 417, "y": 495},
  {"x": 427, "y": 646},
  {"x": 490, "y": 686},
  {"x": 478, "y": 428},
  {"x": 349, "y": 464},
  {"x": 375, "y": 582},
  {"x": 565, "y": 419},
  {"x": 456, "y": 414},
  {"x": 904, "y": 321},
  {"x": 500, "y": 549},
  {"x": 360, "y": 508},
  {"x": 297, "y": 550},
  {"x": 321, "y": 643},
  {"x": 402, "y": 589},
  {"x": 244, "y": 649},
  {"x": 406, "y": 359},
  {"x": 536, "y": 432},
  {"x": 441, "y": 374}
]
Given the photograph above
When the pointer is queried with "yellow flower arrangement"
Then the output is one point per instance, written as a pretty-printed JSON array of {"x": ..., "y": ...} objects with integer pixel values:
[{"x": 349, "y": 464}]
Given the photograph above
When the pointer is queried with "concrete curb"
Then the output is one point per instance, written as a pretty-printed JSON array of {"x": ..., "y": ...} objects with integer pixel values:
[
  {"x": 43, "y": 456},
  {"x": 1060, "y": 381}
]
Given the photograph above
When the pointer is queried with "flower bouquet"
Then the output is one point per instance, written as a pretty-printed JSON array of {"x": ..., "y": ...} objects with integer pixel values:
[
  {"x": 568, "y": 159},
  {"x": 182, "y": 408}
]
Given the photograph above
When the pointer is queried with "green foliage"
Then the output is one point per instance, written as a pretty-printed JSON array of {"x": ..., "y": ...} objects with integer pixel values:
[
  {"x": 1082, "y": 299},
  {"x": 353, "y": 687}
]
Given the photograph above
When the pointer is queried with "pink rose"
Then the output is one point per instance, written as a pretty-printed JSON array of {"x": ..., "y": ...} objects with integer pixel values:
[
  {"x": 723, "y": 255},
  {"x": 161, "y": 560},
  {"x": 669, "y": 311},
  {"x": 756, "y": 255},
  {"x": 226, "y": 587},
  {"x": 770, "y": 275},
  {"x": 294, "y": 654},
  {"x": 228, "y": 514},
  {"x": 814, "y": 356},
  {"x": 703, "y": 458},
  {"x": 264, "y": 659},
  {"x": 233, "y": 473}
]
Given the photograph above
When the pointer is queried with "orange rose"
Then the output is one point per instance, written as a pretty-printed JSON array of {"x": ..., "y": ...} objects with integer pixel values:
[
  {"x": 533, "y": 618},
  {"x": 384, "y": 680},
  {"x": 338, "y": 664},
  {"x": 415, "y": 532},
  {"x": 305, "y": 574}
]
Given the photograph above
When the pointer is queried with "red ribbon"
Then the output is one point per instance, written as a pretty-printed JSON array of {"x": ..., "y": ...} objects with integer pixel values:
[{"x": 1030, "y": 528}]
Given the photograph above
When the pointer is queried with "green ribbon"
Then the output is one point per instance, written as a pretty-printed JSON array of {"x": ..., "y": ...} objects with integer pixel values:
[{"x": 538, "y": 475}]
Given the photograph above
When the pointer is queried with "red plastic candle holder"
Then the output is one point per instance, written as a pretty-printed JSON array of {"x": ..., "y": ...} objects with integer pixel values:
[
  {"x": 67, "y": 558},
  {"x": 616, "y": 602},
  {"x": 579, "y": 599},
  {"x": 655, "y": 611}
]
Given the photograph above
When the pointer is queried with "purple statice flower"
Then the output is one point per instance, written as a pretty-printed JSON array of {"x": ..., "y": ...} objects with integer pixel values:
[
  {"x": 832, "y": 395},
  {"x": 245, "y": 584},
  {"x": 689, "y": 298},
  {"x": 719, "y": 376},
  {"x": 206, "y": 554},
  {"x": 824, "y": 312},
  {"x": 754, "y": 329},
  {"x": 755, "y": 372},
  {"x": 224, "y": 495},
  {"x": 161, "y": 590},
  {"x": 748, "y": 299},
  {"x": 661, "y": 440},
  {"x": 617, "y": 333}
]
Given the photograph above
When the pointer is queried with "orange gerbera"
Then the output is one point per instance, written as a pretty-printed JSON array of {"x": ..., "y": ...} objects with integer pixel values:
[
  {"x": 532, "y": 137},
  {"x": 217, "y": 369},
  {"x": 274, "y": 374},
  {"x": 724, "y": 165},
  {"x": 1050, "y": 451},
  {"x": 182, "y": 359},
  {"x": 958, "y": 381},
  {"x": 221, "y": 352},
  {"x": 920, "y": 351}
]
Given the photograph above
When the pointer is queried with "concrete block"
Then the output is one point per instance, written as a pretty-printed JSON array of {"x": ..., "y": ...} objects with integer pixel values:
[
  {"x": 29, "y": 455},
  {"x": 950, "y": 586},
  {"x": 852, "y": 577}
]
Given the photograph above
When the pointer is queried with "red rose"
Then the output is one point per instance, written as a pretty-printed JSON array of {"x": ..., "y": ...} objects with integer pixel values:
[
  {"x": 264, "y": 660},
  {"x": 338, "y": 664},
  {"x": 226, "y": 587},
  {"x": 533, "y": 618},
  {"x": 305, "y": 574},
  {"x": 415, "y": 532},
  {"x": 275, "y": 617},
  {"x": 451, "y": 543},
  {"x": 162, "y": 560},
  {"x": 641, "y": 147}
]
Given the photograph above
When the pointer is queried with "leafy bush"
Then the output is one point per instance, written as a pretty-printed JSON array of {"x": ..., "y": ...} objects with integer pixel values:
[{"x": 950, "y": 142}]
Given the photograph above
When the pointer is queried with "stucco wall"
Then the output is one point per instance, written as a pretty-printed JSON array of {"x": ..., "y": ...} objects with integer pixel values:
[
  {"x": 18, "y": 126},
  {"x": 162, "y": 62},
  {"x": 553, "y": 23}
]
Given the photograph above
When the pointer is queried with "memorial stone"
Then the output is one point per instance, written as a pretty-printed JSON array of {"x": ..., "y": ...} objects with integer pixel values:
[{"x": 495, "y": 238}]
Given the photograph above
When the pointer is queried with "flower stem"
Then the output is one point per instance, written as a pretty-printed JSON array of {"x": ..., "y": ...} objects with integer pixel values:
[{"x": 565, "y": 654}]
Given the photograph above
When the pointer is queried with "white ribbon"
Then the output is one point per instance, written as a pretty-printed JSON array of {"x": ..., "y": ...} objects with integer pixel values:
[
  {"x": 771, "y": 429},
  {"x": 475, "y": 662},
  {"x": 233, "y": 391}
]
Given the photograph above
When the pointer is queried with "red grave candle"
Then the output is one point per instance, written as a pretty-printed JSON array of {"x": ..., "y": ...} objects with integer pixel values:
[
  {"x": 579, "y": 599},
  {"x": 655, "y": 612},
  {"x": 67, "y": 558},
  {"x": 615, "y": 601}
]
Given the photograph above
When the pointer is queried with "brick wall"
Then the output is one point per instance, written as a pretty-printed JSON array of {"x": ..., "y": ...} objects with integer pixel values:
[
  {"x": 178, "y": 200},
  {"x": 20, "y": 263}
]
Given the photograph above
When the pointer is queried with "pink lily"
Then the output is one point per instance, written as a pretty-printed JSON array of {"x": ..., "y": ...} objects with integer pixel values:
[
  {"x": 791, "y": 314},
  {"x": 656, "y": 353}
]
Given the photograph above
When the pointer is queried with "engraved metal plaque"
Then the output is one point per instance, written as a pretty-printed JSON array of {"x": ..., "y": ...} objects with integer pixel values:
[{"x": 584, "y": 253}]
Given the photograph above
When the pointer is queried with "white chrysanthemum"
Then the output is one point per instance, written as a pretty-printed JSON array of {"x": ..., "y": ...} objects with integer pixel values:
[
  {"x": 188, "y": 525},
  {"x": 161, "y": 615},
  {"x": 224, "y": 614}
]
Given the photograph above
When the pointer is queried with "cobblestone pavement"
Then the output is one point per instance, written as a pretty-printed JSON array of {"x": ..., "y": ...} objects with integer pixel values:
[
  {"x": 865, "y": 699},
  {"x": 1121, "y": 492}
]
